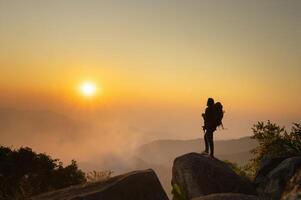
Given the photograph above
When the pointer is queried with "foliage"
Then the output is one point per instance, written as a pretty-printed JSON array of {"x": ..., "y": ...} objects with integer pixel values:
[
  {"x": 177, "y": 193},
  {"x": 24, "y": 173},
  {"x": 274, "y": 141},
  {"x": 240, "y": 170},
  {"x": 98, "y": 176}
]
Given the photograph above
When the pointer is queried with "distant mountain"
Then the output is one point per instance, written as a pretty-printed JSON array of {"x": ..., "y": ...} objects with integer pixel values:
[
  {"x": 160, "y": 154},
  {"x": 165, "y": 151}
]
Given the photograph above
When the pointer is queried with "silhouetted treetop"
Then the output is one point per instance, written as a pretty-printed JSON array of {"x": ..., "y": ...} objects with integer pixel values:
[{"x": 24, "y": 172}]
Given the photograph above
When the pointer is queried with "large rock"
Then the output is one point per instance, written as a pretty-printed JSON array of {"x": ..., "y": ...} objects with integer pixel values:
[
  {"x": 137, "y": 185},
  {"x": 227, "y": 196},
  {"x": 198, "y": 175},
  {"x": 272, "y": 186},
  {"x": 292, "y": 190},
  {"x": 267, "y": 165}
]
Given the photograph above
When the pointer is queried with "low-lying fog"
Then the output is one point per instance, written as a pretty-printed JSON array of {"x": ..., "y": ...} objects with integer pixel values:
[{"x": 107, "y": 140}]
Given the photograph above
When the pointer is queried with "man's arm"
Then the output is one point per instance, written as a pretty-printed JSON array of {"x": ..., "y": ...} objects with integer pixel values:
[{"x": 205, "y": 116}]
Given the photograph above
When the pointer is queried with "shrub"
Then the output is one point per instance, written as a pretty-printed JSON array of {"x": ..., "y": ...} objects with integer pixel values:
[
  {"x": 239, "y": 170},
  {"x": 274, "y": 141},
  {"x": 24, "y": 173}
]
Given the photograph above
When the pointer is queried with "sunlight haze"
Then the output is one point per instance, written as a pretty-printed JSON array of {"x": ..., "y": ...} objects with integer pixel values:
[{"x": 147, "y": 67}]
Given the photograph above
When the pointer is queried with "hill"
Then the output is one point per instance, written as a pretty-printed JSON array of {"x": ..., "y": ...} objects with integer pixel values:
[{"x": 163, "y": 152}]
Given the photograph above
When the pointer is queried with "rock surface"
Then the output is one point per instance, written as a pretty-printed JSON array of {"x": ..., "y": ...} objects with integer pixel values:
[
  {"x": 227, "y": 196},
  {"x": 292, "y": 190},
  {"x": 265, "y": 167},
  {"x": 198, "y": 175},
  {"x": 137, "y": 185},
  {"x": 273, "y": 184}
]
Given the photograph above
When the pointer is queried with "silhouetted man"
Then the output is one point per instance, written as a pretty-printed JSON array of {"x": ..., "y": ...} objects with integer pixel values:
[{"x": 209, "y": 126}]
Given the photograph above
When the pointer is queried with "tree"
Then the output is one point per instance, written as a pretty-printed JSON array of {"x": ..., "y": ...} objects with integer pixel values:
[
  {"x": 274, "y": 141},
  {"x": 24, "y": 173}
]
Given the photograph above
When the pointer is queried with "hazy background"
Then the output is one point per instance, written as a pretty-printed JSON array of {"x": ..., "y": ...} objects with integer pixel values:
[{"x": 155, "y": 64}]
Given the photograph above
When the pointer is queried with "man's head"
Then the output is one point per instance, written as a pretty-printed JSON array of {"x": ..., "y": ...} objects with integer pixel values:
[{"x": 210, "y": 102}]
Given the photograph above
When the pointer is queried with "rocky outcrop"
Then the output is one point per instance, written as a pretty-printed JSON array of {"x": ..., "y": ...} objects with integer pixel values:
[
  {"x": 265, "y": 167},
  {"x": 199, "y": 175},
  {"x": 272, "y": 185},
  {"x": 137, "y": 185},
  {"x": 227, "y": 196},
  {"x": 292, "y": 190}
]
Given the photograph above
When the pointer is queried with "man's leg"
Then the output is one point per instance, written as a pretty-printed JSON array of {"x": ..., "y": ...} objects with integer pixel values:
[
  {"x": 206, "y": 143},
  {"x": 210, "y": 141}
]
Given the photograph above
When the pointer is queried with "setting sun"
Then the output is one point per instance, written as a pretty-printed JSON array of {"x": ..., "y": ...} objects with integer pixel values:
[{"x": 88, "y": 89}]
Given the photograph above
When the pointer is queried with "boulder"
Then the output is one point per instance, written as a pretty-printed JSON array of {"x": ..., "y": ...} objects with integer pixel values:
[
  {"x": 273, "y": 184},
  {"x": 267, "y": 165},
  {"x": 227, "y": 196},
  {"x": 137, "y": 185},
  {"x": 292, "y": 190},
  {"x": 198, "y": 175}
]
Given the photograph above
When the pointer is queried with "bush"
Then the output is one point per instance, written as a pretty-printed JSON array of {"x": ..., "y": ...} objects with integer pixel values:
[
  {"x": 274, "y": 141},
  {"x": 24, "y": 173},
  {"x": 239, "y": 170}
]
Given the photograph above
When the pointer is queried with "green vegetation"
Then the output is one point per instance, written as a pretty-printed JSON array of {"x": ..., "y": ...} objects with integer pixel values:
[
  {"x": 177, "y": 192},
  {"x": 274, "y": 141},
  {"x": 24, "y": 173},
  {"x": 240, "y": 170}
]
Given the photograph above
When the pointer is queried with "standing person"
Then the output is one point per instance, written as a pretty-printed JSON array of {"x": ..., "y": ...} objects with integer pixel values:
[{"x": 209, "y": 127}]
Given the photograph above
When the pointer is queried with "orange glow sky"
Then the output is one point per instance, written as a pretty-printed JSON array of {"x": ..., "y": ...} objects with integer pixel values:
[{"x": 156, "y": 61}]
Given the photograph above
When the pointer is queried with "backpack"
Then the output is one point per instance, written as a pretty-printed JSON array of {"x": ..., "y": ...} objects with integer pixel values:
[{"x": 218, "y": 114}]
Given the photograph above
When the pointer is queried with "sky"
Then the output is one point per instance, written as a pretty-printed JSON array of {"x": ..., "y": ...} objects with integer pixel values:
[{"x": 154, "y": 62}]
